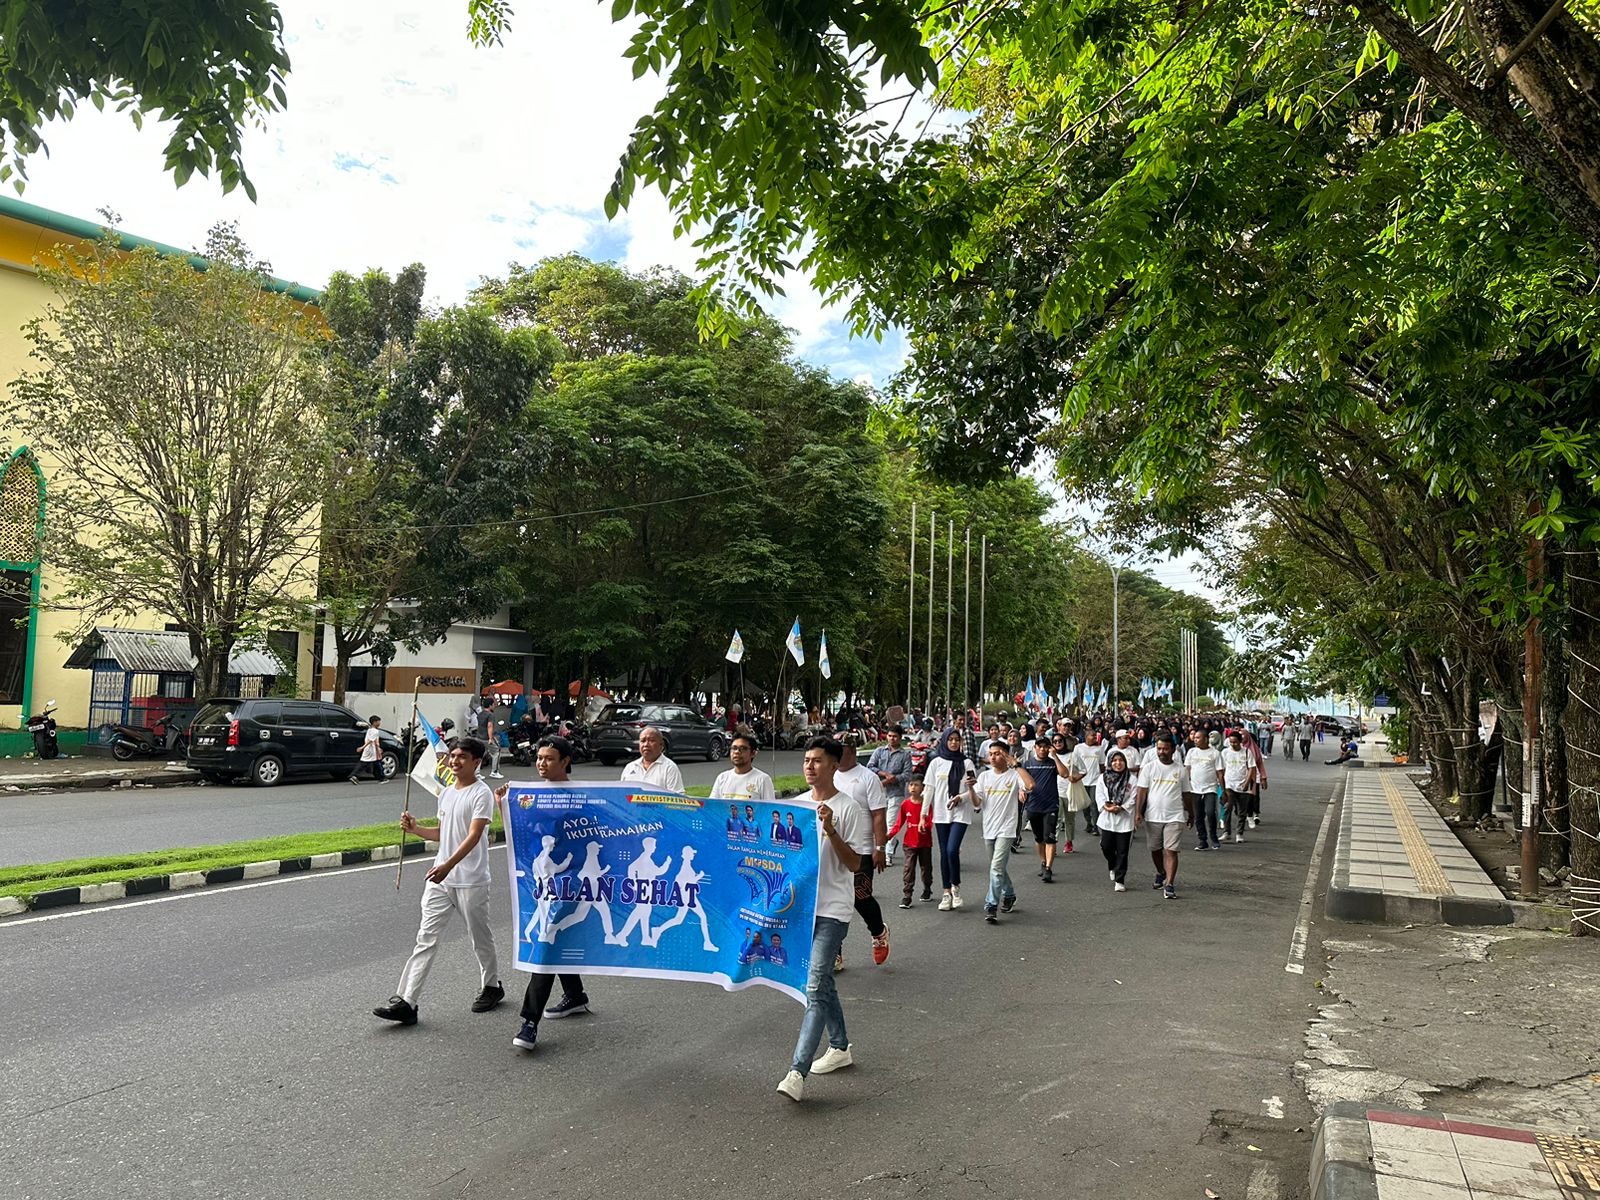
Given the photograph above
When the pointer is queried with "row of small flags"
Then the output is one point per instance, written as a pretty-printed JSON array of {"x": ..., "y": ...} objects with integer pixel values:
[
  {"x": 796, "y": 648},
  {"x": 1037, "y": 695}
]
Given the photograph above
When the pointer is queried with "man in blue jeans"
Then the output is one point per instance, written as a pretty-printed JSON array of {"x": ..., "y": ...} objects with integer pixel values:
[{"x": 841, "y": 820}]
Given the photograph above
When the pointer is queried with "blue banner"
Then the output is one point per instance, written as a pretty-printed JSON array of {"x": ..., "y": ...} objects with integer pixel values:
[{"x": 628, "y": 879}]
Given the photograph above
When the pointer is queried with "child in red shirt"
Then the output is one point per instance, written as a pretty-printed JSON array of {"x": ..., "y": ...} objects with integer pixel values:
[{"x": 917, "y": 841}]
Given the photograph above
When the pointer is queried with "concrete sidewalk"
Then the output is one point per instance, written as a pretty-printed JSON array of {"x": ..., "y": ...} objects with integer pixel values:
[
  {"x": 1365, "y": 1153},
  {"x": 1397, "y": 861},
  {"x": 89, "y": 773}
]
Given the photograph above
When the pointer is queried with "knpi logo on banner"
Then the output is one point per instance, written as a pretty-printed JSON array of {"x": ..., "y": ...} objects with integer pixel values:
[{"x": 627, "y": 879}]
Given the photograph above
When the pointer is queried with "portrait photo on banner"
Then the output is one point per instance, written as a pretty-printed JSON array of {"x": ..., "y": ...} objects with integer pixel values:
[{"x": 628, "y": 879}]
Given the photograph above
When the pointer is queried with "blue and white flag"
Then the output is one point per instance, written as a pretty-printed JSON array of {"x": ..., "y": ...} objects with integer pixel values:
[
  {"x": 823, "y": 664},
  {"x": 735, "y": 652},
  {"x": 431, "y": 771},
  {"x": 796, "y": 650},
  {"x": 628, "y": 879},
  {"x": 1072, "y": 689}
]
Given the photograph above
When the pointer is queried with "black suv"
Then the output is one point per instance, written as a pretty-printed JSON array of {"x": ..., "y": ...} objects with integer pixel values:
[
  {"x": 615, "y": 736},
  {"x": 265, "y": 740}
]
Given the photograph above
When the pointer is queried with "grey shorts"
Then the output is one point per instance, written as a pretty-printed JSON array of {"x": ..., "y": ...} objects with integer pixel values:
[{"x": 1164, "y": 835}]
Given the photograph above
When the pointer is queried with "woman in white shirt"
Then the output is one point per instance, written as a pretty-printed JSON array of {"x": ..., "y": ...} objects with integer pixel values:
[
  {"x": 947, "y": 784},
  {"x": 1115, "y": 797}
]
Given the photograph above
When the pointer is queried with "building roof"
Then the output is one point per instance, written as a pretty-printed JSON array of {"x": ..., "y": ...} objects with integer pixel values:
[
  {"x": 77, "y": 227},
  {"x": 161, "y": 650}
]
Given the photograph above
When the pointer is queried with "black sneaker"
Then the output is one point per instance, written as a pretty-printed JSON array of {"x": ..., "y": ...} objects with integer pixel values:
[
  {"x": 906, "y": 903},
  {"x": 1049, "y": 876},
  {"x": 988, "y": 915},
  {"x": 1170, "y": 893},
  {"x": 927, "y": 895},
  {"x": 568, "y": 1007},
  {"x": 1161, "y": 882},
  {"x": 1008, "y": 904},
  {"x": 527, "y": 1037},
  {"x": 398, "y": 1011},
  {"x": 489, "y": 998}
]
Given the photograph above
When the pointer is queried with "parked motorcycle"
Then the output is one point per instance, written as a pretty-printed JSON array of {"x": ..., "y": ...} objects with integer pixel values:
[
  {"x": 43, "y": 729},
  {"x": 577, "y": 732},
  {"x": 523, "y": 736},
  {"x": 165, "y": 739}
]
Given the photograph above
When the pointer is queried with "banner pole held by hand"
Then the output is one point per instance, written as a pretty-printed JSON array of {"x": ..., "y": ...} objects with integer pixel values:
[{"x": 406, "y": 803}]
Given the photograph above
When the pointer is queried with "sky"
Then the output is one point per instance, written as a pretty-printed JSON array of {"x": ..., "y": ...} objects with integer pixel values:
[{"x": 402, "y": 142}]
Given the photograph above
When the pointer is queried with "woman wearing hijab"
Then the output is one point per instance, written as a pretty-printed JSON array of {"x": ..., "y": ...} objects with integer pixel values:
[
  {"x": 947, "y": 783},
  {"x": 1115, "y": 798},
  {"x": 1260, "y": 761}
]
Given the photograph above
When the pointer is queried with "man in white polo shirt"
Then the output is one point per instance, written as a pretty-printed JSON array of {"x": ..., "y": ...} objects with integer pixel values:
[
  {"x": 1164, "y": 810},
  {"x": 840, "y": 822},
  {"x": 863, "y": 784},
  {"x": 652, "y": 766}
]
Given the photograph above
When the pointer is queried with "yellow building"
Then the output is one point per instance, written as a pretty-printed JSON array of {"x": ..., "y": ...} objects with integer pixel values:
[{"x": 137, "y": 670}]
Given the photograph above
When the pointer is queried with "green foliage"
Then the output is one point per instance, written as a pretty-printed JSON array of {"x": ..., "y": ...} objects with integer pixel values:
[
  {"x": 187, "y": 453},
  {"x": 208, "y": 67}
]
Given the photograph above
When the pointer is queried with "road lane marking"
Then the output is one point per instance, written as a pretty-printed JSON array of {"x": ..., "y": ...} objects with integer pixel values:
[
  {"x": 1302, "y": 929},
  {"x": 167, "y": 897}
]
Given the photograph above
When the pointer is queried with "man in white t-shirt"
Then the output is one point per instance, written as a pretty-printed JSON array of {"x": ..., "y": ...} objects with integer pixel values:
[
  {"x": 863, "y": 784},
  {"x": 1238, "y": 776},
  {"x": 744, "y": 781},
  {"x": 653, "y": 766},
  {"x": 1084, "y": 766},
  {"x": 1202, "y": 768},
  {"x": 998, "y": 796},
  {"x": 371, "y": 752},
  {"x": 1164, "y": 810},
  {"x": 840, "y": 821},
  {"x": 458, "y": 881}
]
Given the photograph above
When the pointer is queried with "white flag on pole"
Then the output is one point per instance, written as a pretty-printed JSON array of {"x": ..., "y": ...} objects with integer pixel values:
[
  {"x": 796, "y": 650},
  {"x": 735, "y": 649},
  {"x": 823, "y": 664}
]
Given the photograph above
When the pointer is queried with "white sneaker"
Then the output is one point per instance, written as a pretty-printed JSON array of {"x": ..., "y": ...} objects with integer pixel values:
[
  {"x": 944, "y": 902},
  {"x": 1250, "y": 821},
  {"x": 955, "y": 897},
  {"x": 1119, "y": 887},
  {"x": 793, "y": 1086},
  {"x": 1238, "y": 837},
  {"x": 833, "y": 1060},
  {"x": 496, "y": 775}
]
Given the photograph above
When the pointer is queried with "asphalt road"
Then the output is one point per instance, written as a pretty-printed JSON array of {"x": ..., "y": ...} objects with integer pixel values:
[
  {"x": 1094, "y": 1045},
  {"x": 45, "y": 828}
]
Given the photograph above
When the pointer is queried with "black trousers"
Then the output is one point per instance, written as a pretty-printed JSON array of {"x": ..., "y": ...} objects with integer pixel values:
[
  {"x": 1115, "y": 847},
  {"x": 871, "y": 912},
  {"x": 538, "y": 993}
]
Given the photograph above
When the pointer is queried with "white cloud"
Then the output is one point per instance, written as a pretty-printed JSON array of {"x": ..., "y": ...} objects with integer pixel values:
[{"x": 403, "y": 142}]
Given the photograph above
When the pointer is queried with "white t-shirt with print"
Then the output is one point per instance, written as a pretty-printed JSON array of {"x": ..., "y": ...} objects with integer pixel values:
[
  {"x": 1201, "y": 765},
  {"x": 1236, "y": 766},
  {"x": 1000, "y": 792},
  {"x": 1088, "y": 760},
  {"x": 1163, "y": 783},
  {"x": 836, "y": 883},
  {"x": 459, "y": 807},
  {"x": 754, "y": 784}
]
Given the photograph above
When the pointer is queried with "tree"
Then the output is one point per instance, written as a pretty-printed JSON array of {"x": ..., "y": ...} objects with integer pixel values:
[
  {"x": 426, "y": 404},
  {"x": 186, "y": 458},
  {"x": 208, "y": 66}
]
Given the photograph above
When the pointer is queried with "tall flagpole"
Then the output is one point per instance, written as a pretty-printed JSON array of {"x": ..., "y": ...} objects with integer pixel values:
[
  {"x": 405, "y": 809},
  {"x": 966, "y": 628},
  {"x": 933, "y": 518},
  {"x": 949, "y": 607},
  {"x": 983, "y": 595},
  {"x": 911, "y": 605}
]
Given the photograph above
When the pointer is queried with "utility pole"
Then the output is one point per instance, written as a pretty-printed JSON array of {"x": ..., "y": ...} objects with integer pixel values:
[
  {"x": 966, "y": 627},
  {"x": 1532, "y": 686},
  {"x": 1116, "y": 649},
  {"x": 911, "y": 604}
]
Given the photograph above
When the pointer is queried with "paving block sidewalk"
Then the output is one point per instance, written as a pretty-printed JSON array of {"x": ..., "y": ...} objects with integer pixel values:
[
  {"x": 1363, "y": 1153},
  {"x": 88, "y": 773},
  {"x": 1398, "y": 862}
]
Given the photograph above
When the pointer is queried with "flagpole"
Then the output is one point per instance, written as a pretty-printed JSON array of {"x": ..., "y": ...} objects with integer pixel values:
[
  {"x": 911, "y": 606},
  {"x": 933, "y": 519},
  {"x": 983, "y": 594},
  {"x": 416, "y": 686},
  {"x": 966, "y": 627},
  {"x": 949, "y": 605}
]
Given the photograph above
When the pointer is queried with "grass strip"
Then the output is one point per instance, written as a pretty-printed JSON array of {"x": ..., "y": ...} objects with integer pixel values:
[{"x": 118, "y": 868}]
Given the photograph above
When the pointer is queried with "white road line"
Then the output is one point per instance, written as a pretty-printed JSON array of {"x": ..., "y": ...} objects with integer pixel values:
[
  {"x": 1263, "y": 1183},
  {"x": 1302, "y": 929}
]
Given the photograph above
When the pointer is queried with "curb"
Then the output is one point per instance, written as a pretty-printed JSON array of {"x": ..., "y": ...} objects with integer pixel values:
[
  {"x": 177, "y": 881},
  {"x": 1341, "y": 1155},
  {"x": 105, "y": 782},
  {"x": 1369, "y": 905}
]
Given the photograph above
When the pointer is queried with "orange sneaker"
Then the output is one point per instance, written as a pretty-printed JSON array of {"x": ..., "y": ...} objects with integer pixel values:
[{"x": 880, "y": 947}]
